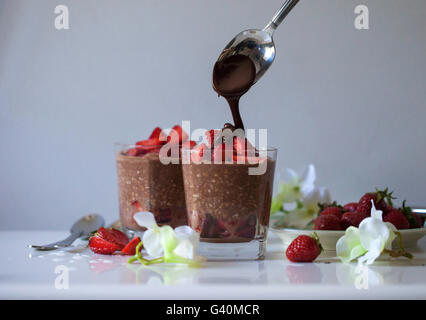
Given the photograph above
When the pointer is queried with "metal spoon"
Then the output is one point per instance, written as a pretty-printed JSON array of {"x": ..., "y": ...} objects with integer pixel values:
[
  {"x": 258, "y": 44},
  {"x": 82, "y": 227}
]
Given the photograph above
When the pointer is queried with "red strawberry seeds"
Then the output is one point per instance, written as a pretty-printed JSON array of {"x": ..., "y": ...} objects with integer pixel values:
[
  {"x": 327, "y": 222},
  {"x": 304, "y": 249},
  {"x": 130, "y": 248},
  {"x": 335, "y": 211},
  {"x": 397, "y": 218},
  {"x": 351, "y": 219}
]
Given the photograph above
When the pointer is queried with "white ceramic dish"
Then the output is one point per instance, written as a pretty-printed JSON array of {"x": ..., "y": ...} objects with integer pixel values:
[{"x": 328, "y": 239}]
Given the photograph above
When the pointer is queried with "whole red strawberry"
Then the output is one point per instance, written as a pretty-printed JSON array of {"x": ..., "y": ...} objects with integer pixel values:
[
  {"x": 397, "y": 218},
  {"x": 351, "y": 219},
  {"x": 335, "y": 211},
  {"x": 351, "y": 206},
  {"x": 414, "y": 220},
  {"x": 304, "y": 249},
  {"x": 379, "y": 198},
  {"x": 419, "y": 221},
  {"x": 327, "y": 222}
]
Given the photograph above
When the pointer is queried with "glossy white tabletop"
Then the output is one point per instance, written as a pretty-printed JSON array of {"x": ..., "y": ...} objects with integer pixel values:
[{"x": 77, "y": 273}]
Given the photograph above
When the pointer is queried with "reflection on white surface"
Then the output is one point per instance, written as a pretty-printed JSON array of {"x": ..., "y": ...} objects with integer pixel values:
[{"x": 27, "y": 272}]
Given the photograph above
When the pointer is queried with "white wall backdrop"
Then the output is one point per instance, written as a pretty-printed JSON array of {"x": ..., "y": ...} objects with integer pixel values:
[{"x": 351, "y": 102}]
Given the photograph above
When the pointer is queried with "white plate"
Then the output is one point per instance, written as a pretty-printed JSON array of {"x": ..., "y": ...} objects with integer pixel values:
[{"x": 328, "y": 238}]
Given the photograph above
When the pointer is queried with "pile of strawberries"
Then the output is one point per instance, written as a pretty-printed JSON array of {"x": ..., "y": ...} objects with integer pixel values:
[
  {"x": 336, "y": 217},
  {"x": 113, "y": 241},
  {"x": 158, "y": 138},
  {"x": 240, "y": 150}
]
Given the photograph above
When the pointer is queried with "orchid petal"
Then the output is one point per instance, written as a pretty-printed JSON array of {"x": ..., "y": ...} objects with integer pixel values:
[
  {"x": 308, "y": 180},
  {"x": 145, "y": 219},
  {"x": 392, "y": 235},
  {"x": 298, "y": 218},
  {"x": 152, "y": 242},
  {"x": 374, "y": 213},
  {"x": 324, "y": 195},
  {"x": 373, "y": 230},
  {"x": 349, "y": 247},
  {"x": 290, "y": 206},
  {"x": 185, "y": 249},
  {"x": 376, "y": 247},
  {"x": 291, "y": 175},
  {"x": 187, "y": 233}
]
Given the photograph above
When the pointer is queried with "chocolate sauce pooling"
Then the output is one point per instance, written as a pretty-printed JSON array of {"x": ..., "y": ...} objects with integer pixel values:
[{"x": 233, "y": 77}]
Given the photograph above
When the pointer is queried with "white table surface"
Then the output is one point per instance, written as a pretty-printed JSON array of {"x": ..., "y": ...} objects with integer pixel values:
[{"x": 28, "y": 274}]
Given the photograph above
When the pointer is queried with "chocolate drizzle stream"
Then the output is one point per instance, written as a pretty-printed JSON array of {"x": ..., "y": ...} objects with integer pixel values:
[{"x": 233, "y": 77}]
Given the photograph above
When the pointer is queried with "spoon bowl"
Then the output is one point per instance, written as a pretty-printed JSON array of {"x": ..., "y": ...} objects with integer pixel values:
[
  {"x": 258, "y": 45},
  {"x": 88, "y": 224}
]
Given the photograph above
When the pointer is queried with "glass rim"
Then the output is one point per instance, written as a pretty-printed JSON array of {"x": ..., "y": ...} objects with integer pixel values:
[
  {"x": 132, "y": 145},
  {"x": 267, "y": 149}
]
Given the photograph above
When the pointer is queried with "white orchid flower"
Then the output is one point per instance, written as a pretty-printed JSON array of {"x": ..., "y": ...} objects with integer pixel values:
[
  {"x": 177, "y": 246},
  {"x": 293, "y": 188},
  {"x": 369, "y": 240},
  {"x": 305, "y": 210}
]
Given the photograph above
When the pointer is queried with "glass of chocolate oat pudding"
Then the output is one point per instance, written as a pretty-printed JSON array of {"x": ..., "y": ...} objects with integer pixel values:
[
  {"x": 229, "y": 205},
  {"x": 145, "y": 184}
]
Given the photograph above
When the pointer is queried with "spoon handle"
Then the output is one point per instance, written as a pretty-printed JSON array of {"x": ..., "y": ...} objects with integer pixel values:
[
  {"x": 280, "y": 15},
  {"x": 60, "y": 244}
]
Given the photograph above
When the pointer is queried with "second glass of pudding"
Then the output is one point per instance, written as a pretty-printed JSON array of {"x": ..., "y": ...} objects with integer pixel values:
[
  {"x": 145, "y": 184},
  {"x": 229, "y": 207}
]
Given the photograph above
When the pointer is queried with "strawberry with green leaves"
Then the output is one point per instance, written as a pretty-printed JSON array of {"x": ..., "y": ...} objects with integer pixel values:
[
  {"x": 304, "y": 249},
  {"x": 380, "y": 197}
]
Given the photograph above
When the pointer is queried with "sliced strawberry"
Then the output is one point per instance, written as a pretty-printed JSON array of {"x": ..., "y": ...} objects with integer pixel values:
[
  {"x": 157, "y": 134},
  {"x": 189, "y": 144},
  {"x": 218, "y": 153},
  {"x": 114, "y": 236},
  {"x": 136, "y": 206},
  {"x": 102, "y": 246},
  {"x": 149, "y": 142},
  {"x": 212, "y": 228},
  {"x": 248, "y": 228},
  {"x": 221, "y": 153},
  {"x": 211, "y": 136},
  {"x": 197, "y": 154},
  {"x": 130, "y": 248},
  {"x": 135, "y": 152},
  {"x": 150, "y": 145},
  {"x": 177, "y": 135},
  {"x": 243, "y": 147}
]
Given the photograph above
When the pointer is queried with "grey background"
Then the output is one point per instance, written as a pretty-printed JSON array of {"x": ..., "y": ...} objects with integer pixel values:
[{"x": 351, "y": 102}]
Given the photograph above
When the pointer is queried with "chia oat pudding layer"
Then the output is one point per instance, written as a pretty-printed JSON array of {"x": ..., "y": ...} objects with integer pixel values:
[
  {"x": 158, "y": 188},
  {"x": 225, "y": 203}
]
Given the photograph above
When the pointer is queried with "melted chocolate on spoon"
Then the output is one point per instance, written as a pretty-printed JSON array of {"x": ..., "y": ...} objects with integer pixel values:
[{"x": 233, "y": 77}]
